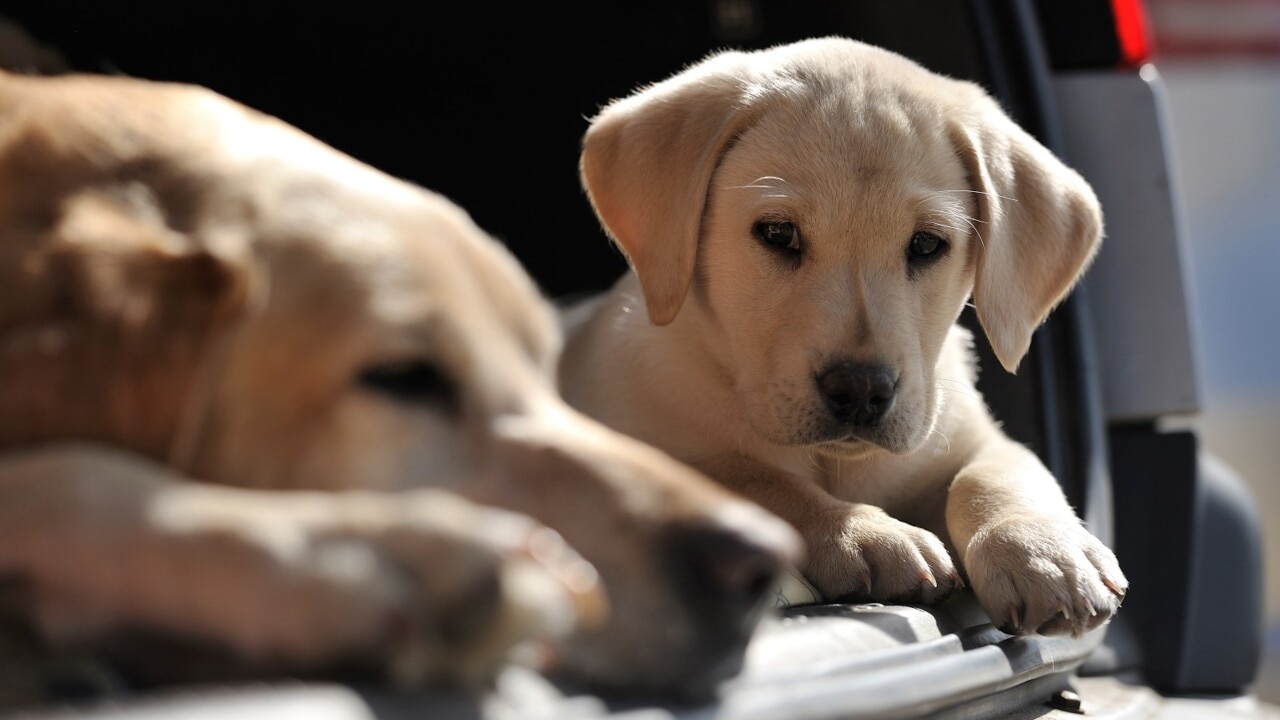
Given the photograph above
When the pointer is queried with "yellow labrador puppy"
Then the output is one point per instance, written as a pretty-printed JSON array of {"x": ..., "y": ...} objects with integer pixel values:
[
  {"x": 258, "y": 396},
  {"x": 804, "y": 225}
]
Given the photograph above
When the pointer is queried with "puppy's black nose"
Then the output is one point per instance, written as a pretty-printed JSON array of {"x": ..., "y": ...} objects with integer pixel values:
[
  {"x": 857, "y": 395},
  {"x": 723, "y": 574}
]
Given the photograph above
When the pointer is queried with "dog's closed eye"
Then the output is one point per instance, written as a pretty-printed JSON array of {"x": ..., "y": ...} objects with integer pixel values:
[{"x": 417, "y": 381}]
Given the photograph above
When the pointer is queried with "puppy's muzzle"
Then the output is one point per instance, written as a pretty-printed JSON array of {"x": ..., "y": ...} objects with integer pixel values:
[{"x": 857, "y": 395}]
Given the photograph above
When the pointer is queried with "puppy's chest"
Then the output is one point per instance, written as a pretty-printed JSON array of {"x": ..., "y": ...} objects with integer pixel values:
[{"x": 899, "y": 488}]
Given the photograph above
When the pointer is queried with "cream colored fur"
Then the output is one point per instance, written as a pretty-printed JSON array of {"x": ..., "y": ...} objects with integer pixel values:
[
  {"x": 260, "y": 397},
  {"x": 709, "y": 347}
]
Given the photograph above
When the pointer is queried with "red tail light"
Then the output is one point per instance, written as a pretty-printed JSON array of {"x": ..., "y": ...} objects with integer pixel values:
[{"x": 1132, "y": 30}]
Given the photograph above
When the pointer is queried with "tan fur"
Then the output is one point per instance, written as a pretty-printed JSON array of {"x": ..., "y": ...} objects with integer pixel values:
[
  {"x": 860, "y": 149},
  {"x": 193, "y": 292}
]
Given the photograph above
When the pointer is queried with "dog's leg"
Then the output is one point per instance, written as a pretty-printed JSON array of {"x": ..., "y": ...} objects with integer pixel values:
[
  {"x": 1033, "y": 565},
  {"x": 422, "y": 585},
  {"x": 852, "y": 550}
]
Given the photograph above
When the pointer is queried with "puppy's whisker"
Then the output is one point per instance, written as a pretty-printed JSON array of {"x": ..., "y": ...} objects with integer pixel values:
[
  {"x": 955, "y": 228},
  {"x": 974, "y": 192},
  {"x": 962, "y": 388},
  {"x": 945, "y": 439},
  {"x": 952, "y": 215},
  {"x": 813, "y": 460},
  {"x": 764, "y": 183},
  {"x": 972, "y": 223}
]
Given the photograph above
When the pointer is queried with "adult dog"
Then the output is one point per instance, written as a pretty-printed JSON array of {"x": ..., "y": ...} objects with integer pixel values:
[
  {"x": 804, "y": 225},
  {"x": 258, "y": 396}
]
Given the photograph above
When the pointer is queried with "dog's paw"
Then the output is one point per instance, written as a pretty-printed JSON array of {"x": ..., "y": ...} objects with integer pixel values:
[
  {"x": 462, "y": 589},
  {"x": 421, "y": 587},
  {"x": 864, "y": 554},
  {"x": 1044, "y": 576}
]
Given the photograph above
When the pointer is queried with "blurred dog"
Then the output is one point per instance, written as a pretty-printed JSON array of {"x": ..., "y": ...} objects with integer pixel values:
[
  {"x": 261, "y": 397},
  {"x": 804, "y": 224}
]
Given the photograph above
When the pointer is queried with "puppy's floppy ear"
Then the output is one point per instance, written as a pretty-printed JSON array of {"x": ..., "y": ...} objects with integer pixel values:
[
  {"x": 647, "y": 161},
  {"x": 1040, "y": 225}
]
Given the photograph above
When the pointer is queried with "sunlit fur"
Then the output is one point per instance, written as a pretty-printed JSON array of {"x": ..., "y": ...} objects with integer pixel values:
[{"x": 709, "y": 347}]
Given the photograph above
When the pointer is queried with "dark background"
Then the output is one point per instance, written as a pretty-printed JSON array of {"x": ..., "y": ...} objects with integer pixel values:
[
  {"x": 483, "y": 102},
  {"x": 487, "y": 103}
]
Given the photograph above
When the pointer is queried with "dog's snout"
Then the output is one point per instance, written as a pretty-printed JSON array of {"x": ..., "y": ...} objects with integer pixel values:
[
  {"x": 723, "y": 573},
  {"x": 857, "y": 395}
]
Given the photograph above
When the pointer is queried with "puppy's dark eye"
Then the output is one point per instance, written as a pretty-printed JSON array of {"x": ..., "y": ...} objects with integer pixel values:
[
  {"x": 411, "y": 381},
  {"x": 779, "y": 235},
  {"x": 925, "y": 246}
]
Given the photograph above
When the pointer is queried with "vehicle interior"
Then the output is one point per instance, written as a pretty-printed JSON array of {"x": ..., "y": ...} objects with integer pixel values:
[{"x": 487, "y": 104}]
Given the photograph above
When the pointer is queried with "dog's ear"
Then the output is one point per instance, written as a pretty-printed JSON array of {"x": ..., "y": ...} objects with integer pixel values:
[
  {"x": 108, "y": 309},
  {"x": 646, "y": 163},
  {"x": 1039, "y": 226}
]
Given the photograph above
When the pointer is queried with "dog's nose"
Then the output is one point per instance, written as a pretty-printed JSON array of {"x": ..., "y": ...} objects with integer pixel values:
[
  {"x": 723, "y": 573},
  {"x": 857, "y": 395}
]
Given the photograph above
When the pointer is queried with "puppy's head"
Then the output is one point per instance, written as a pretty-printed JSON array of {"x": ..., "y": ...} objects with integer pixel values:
[
  {"x": 213, "y": 288},
  {"x": 821, "y": 211}
]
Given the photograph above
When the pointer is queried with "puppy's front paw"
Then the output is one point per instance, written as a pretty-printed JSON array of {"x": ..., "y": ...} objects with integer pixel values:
[
  {"x": 862, "y": 553},
  {"x": 1044, "y": 576}
]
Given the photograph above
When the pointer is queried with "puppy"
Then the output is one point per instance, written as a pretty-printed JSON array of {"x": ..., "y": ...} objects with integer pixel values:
[
  {"x": 804, "y": 225},
  {"x": 258, "y": 396}
]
